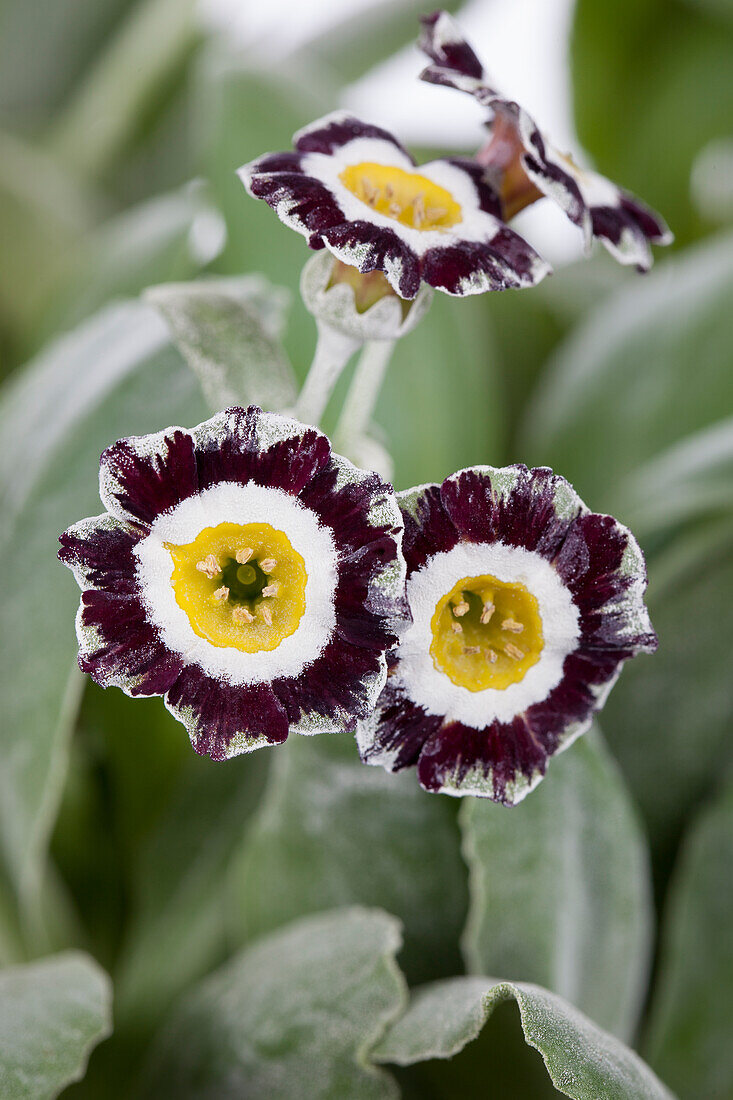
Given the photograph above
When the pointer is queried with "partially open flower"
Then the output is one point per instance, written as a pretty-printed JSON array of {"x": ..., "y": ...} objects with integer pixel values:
[
  {"x": 351, "y": 187},
  {"x": 524, "y": 606},
  {"x": 246, "y": 573},
  {"x": 523, "y": 166}
]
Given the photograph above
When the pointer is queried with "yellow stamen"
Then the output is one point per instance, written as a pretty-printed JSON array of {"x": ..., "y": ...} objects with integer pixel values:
[
  {"x": 267, "y": 565},
  {"x": 222, "y": 594},
  {"x": 456, "y": 628},
  {"x": 513, "y": 651},
  {"x": 488, "y": 611},
  {"x": 513, "y": 626},
  {"x": 266, "y": 615},
  {"x": 243, "y": 556},
  {"x": 460, "y": 609},
  {"x": 270, "y": 590}
]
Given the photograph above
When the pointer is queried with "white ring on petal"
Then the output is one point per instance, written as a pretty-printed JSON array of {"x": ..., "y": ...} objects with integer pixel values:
[
  {"x": 475, "y": 224},
  {"x": 231, "y": 502},
  {"x": 432, "y": 689}
]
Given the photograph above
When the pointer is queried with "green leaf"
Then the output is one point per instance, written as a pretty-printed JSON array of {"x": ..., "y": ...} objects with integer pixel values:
[
  {"x": 583, "y": 1061},
  {"x": 688, "y": 481},
  {"x": 659, "y": 344},
  {"x": 637, "y": 65},
  {"x": 295, "y": 1014},
  {"x": 44, "y": 214},
  {"x": 115, "y": 376},
  {"x": 52, "y": 1015},
  {"x": 227, "y": 339},
  {"x": 689, "y": 1032},
  {"x": 166, "y": 237},
  {"x": 41, "y": 58},
  {"x": 108, "y": 105},
  {"x": 668, "y": 719},
  {"x": 331, "y": 831},
  {"x": 559, "y": 888},
  {"x": 180, "y": 903}
]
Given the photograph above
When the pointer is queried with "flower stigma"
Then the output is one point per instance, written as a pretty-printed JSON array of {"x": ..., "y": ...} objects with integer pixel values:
[
  {"x": 487, "y": 633},
  {"x": 407, "y": 197},
  {"x": 241, "y": 585}
]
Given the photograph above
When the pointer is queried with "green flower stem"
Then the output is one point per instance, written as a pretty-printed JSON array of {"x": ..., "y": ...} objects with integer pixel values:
[
  {"x": 333, "y": 351},
  {"x": 361, "y": 399}
]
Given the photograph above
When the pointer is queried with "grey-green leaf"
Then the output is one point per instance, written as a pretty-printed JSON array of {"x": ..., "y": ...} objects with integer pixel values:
[
  {"x": 559, "y": 888},
  {"x": 52, "y": 1015},
  {"x": 115, "y": 376},
  {"x": 293, "y": 1015},
  {"x": 224, "y": 328},
  {"x": 331, "y": 831},
  {"x": 604, "y": 408},
  {"x": 583, "y": 1061},
  {"x": 692, "y": 1013}
]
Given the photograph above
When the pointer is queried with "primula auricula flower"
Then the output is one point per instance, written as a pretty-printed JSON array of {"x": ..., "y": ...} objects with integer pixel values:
[
  {"x": 352, "y": 188},
  {"x": 246, "y": 573},
  {"x": 523, "y": 166},
  {"x": 524, "y": 606}
]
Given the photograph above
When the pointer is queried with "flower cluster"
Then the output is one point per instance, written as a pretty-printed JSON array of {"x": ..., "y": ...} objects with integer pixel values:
[
  {"x": 351, "y": 187},
  {"x": 263, "y": 584},
  {"x": 257, "y": 581}
]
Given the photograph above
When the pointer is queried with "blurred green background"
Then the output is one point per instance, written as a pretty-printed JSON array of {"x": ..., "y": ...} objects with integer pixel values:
[{"x": 121, "y": 125}]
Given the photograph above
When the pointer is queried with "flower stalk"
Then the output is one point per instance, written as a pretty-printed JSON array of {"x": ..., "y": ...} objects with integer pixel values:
[
  {"x": 333, "y": 351},
  {"x": 361, "y": 400}
]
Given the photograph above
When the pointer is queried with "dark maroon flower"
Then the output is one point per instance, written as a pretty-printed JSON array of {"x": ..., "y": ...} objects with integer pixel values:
[
  {"x": 246, "y": 573},
  {"x": 522, "y": 165},
  {"x": 524, "y": 606},
  {"x": 352, "y": 188}
]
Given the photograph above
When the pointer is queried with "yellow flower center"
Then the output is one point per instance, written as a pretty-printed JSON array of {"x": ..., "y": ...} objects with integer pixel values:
[
  {"x": 408, "y": 197},
  {"x": 241, "y": 585},
  {"x": 486, "y": 633}
]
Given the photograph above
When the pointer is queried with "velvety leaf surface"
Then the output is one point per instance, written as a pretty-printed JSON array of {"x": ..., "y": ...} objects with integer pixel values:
[
  {"x": 643, "y": 371},
  {"x": 331, "y": 831},
  {"x": 294, "y": 1014},
  {"x": 52, "y": 1014},
  {"x": 668, "y": 719},
  {"x": 218, "y": 328},
  {"x": 114, "y": 377},
  {"x": 583, "y": 1061},
  {"x": 559, "y": 888},
  {"x": 181, "y": 910},
  {"x": 692, "y": 1012}
]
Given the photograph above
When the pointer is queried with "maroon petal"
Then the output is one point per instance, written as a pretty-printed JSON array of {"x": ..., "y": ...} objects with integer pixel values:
[
  {"x": 371, "y": 247},
  {"x": 398, "y": 730},
  {"x": 146, "y": 475},
  {"x": 443, "y": 43},
  {"x": 331, "y": 133},
  {"x": 575, "y": 699},
  {"x": 346, "y": 509},
  {"x": 303, "y": 201},
  {"x": 337, "y": 686},
  {"x": 118, "y": 646},
  {"x": 100, "y": 552},
  {"x": 504, "y": 754},
  {"x": 229, "y": 448},
  {"x": 428, "y": 527},
  {"x": 225, "y": 720},
  {"x": 505, "y": 262}
]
